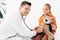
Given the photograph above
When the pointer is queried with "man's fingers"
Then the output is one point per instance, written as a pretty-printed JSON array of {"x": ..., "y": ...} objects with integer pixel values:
[{"x": 36, "y": 27}]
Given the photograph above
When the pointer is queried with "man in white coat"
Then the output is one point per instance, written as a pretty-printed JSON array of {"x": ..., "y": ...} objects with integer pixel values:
[{"x": 12, "y": 27}]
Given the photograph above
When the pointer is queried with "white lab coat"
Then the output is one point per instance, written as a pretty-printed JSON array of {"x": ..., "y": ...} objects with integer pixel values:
[{"x": 13, "y": 24}]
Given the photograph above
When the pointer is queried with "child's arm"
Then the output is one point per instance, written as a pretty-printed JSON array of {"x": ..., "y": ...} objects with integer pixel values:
[{"x": 54, "y": 26}]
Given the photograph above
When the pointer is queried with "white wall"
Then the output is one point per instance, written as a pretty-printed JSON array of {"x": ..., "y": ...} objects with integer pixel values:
[{"x": 36, "y": 12}]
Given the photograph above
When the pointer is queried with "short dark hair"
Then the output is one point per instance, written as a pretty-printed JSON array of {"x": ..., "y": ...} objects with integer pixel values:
[
  {"x": 48, "y": 6},
  {"x": 25, "y": 2}
]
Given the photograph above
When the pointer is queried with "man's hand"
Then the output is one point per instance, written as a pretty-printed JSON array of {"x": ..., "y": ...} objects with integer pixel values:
[
  {"x": 36, "y": 27},
  {"x": 39, "y": 29}
]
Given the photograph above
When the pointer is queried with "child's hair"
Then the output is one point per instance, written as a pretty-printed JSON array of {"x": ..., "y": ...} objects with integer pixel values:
[{"x": 48, "y": 6}]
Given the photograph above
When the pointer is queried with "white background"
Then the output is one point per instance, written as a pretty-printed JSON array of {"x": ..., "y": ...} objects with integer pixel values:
[{"x": 36, "y": 12}]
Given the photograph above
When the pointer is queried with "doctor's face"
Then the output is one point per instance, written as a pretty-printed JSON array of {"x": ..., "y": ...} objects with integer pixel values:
[{"x": 25, "y": 9}]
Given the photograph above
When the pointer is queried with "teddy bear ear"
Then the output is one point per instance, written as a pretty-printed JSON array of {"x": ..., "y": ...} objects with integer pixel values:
[{"x": 53, "y": 19}]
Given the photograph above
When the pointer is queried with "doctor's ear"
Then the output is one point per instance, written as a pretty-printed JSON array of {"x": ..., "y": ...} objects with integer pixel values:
[{"x": 20, "y": 7}]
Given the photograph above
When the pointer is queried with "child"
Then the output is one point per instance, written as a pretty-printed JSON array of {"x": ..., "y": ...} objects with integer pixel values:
[{"x": 47, "y": 12}]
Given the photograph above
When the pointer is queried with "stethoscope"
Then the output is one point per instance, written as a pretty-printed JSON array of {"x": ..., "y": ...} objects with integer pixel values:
[
  {"x": 24, "y": 18},
  {"x": 25, "y": 25}
]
